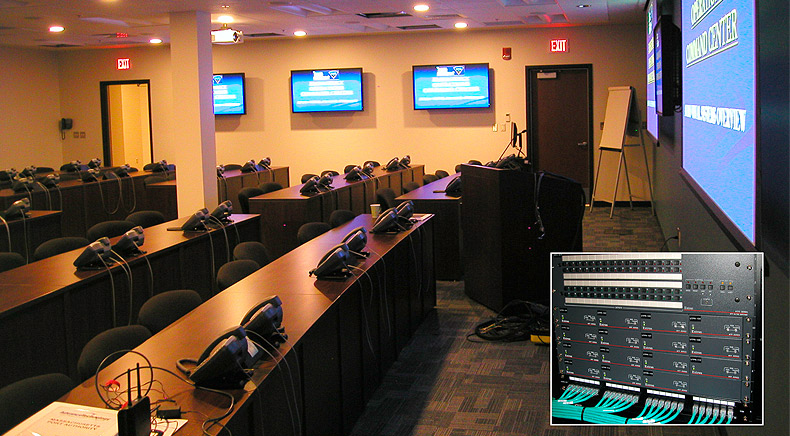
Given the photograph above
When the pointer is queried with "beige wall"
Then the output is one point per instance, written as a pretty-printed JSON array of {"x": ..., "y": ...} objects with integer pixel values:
[
  {"x": 388, "y": 126},
  {"x": 29, "y": 109}
]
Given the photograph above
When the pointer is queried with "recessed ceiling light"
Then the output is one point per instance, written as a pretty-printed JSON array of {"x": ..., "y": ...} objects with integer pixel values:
[
  {"x": 225, "y": 6},
  {"x": 225, "y": 19},
  {"x": 300, "y": 33},
  {"x": 460, "y": 25},
  {"x": 421, "y": 7},
  {"x": 155, "y": 41},
  {"x": 583, "y": 6},
  {"x": 56, "y": 29}
]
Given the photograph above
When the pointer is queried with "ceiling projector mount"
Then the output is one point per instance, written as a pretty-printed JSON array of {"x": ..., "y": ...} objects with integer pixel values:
[{"x": 226, "y": 35}]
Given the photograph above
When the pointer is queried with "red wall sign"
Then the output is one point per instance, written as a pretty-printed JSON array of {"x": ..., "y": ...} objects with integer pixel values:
[
  {"x": 559, "y": 46},
  {"x": 124, "y": 64}
]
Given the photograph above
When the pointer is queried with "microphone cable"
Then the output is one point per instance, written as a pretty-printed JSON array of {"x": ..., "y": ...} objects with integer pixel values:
[
  {"x": 383, "y": 300},
  {"x": 222, "y": 226},
  {"x": 364, "y": 311},
  {"x": 112, "y": 290},
  {"x": 296, "y": 424},
  {"x": 7, "y": 230},
  {"x": 46, "y": 194},
  {"x": 127, "y": 269},
  {"x": 150, "y": 270}
]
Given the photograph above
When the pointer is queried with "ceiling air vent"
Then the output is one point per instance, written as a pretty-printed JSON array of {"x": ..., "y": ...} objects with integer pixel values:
[
  {"x": 373, "y": 15},
  {"x": 444, "y": 17},
  {"x": 420, "y": 27},
  {"x": 262, "y": 35},
  {"x": 503, "y": 23}
]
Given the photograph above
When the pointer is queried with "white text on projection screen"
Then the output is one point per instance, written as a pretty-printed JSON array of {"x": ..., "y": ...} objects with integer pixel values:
[{"x": 719, "y": 104}]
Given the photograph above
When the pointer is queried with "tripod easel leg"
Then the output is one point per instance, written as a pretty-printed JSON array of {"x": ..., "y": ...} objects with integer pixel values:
[
  {"x": 595, "y": 184},
  {"x": 617, "y": 183}
]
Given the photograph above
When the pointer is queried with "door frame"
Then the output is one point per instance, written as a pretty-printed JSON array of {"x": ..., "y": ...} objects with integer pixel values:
[
  {"x": 529, "y": 69},
  {"x": 105, "y": 116}
]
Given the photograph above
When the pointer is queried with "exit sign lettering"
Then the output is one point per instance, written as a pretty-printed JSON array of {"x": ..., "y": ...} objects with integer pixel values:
[
  {"x": 124, "y": 64},
  {"x": 559, "y": 46}
]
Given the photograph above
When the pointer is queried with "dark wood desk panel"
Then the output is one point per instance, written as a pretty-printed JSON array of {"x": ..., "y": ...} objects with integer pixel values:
[
  {"x": 284, "y": 211},
  {"x": 228, "y": 187},
  {"x": 84, "y": 298},
  {"x": 26, "y": 235},
  {"x": 163, "y": 197},
  {"x": 448, "y": 225},
  {"x": 325, "y": 327}
]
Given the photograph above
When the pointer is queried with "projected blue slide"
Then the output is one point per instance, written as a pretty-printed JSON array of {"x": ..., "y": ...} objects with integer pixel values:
[
  {"x": 719, "y": 104},
  {"x": 451, "y": 86},
  {"x": 229, "y": 94},
  {"x": 326, "y": 90},
  {"x": 652, "y": 118}
]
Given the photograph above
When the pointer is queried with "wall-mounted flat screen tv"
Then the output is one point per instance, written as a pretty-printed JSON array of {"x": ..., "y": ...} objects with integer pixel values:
[
  {"x": 651, "y": 15},
  {"x": 333, "y": 90},
  {"x": 229, "y": 94},
  {"x": 451, "y": 86}
]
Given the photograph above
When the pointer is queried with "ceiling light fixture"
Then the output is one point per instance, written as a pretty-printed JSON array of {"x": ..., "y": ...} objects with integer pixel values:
[
  {"x": 225, "y": 19},
  {"x": 583, "y": 6},
  {"x": 421, "y": 7},
  {"x": 460, "y": 25},
  {"x": 155, "y": 41},
  {"x": 56, "y": 29},
  {"x": 300, "y": 33}
]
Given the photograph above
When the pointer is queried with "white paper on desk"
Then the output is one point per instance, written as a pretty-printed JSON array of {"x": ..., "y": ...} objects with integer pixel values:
[{"x": 64, "y": 419}]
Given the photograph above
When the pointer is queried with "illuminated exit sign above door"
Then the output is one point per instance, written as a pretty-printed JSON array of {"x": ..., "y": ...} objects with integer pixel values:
[
  {"x": 559, "y": 46},
  {"x": 124, "y": 64}
]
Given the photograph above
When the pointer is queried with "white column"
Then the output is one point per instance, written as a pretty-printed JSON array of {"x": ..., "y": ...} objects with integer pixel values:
[{"x": 193, "y": 111}]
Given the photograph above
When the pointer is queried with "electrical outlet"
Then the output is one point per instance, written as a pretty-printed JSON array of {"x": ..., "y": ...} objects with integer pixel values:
[
  {"x": 495, "y": 128},
  {"x": 503, "y": 127}
]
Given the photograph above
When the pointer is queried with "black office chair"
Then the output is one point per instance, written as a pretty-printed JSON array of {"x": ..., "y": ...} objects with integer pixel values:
[
  {"x": 340, "y": 216},
  {"x": 330, "y": 172},
  {"x": 244, "y": 197},
  {"x": 146, "y": 218},
  {"x": 10, "y": 261},
  {"x": 441, "y": 174},
  {"x": 458, "y": 168},
  {"x": 270, "y": 187},
  {"x": 22, "y": 399},
  {"x": 385, "y": 197},
  {"x": 375, "y": 164},
  {"x": 150, "y": 166},
  {"x": 429, "y": 178},
  {"x": 230, "y": 167},
  {"x": 348, "y": 168},
  {"x": 252, "y": 250},
  {"x": 410, "y": 186},
  {"x": 108, "y": 342},
  {"x": 69, "y": 167},
  {"x": 306, "y": 177},
  {"x": 474, "y": 162},
  {"x": 309, "y": 231},
  {"x": 233, "y": 271},
  {"x": 109, "y": 229},
  {"x": 59, "y": 245},
  {"x": 153, "y": 179},
  {"x": 163, "y": 309}
]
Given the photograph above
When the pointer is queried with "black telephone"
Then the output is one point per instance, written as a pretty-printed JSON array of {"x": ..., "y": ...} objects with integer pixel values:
[
  {"x": 393, "y": 164},
  {"x": 95, "y": 163},
  {"x": 405, "y": 210},
  {"x": 265, "y": 163},
  {"x": 222, "y": 363},
  {"x": 265, "y": 320},
  {"x": 92, "y": 175},
  {"x": 309, "y": 186},
  {"x": 386, "y": 222},
  {"x": 405, "y": 161},
  {"x": 221, "y": 171},
  {"x": 249, "y": 167},
  {"x": 123, "y": 170},
  {"x": 325, "y": 181},
  {"x": 368, "y": 168},
  {"x": 454, "y": 187},
  {"x": 65, "y": 124},
  {"x": 356, "y": 240},
  {"x": 355, "y": 174},
  {"x": 51, "y": 181},
  {"x": 333, "y": 264},
  {"x": 21, "y": 183}
]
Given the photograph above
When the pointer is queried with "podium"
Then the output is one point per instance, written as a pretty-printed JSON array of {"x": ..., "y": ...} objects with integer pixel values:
[{"x": 508, "y": 236}]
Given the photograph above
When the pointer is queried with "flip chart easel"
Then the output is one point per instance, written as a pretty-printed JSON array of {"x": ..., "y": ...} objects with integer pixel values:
[{"x": 622, "y": 115}]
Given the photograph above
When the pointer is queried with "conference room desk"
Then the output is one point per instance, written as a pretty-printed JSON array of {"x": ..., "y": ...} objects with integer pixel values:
[
  {"x": 234, "y": 180},
  {"x": 165, "y": 195},
  {"x": 86, "y": 204},
  {"x": 342, "y": 337},
  {"x": 447, "y": 209},
  {"x": 284, "y": 211},
  {"x": 49, "y": 309},
  {"x": 27, "y": 234}
]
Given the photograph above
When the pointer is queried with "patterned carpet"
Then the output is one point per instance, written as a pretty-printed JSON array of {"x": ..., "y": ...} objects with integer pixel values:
[{"x": 445, "y": 385}]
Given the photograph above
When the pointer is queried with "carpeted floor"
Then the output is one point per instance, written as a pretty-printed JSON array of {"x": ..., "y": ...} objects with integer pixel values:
[{"x": 445, "y": 385}]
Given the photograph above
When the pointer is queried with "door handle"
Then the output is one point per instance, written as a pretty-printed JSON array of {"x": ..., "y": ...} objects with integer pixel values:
[{"x": 582, "y": 144}]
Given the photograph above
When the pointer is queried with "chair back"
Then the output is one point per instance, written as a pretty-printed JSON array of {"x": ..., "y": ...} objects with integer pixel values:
[
  {"x": 441, "y": 174},
  {"x": 106, "y": 343},
  {"x": 270, "y": 187},
  {"x": 59, "y": 245},
  {"x": 234, "y": 271},
  {"x": 244, "y": 197},
  {"x": 252, "y": 250},
  {"x": 146, "y": 218},
  {"x": 340, "y": 216},
  {"x": 386, "y": 198},
  {"x": 309, "y": 231},
  {"x": 109, "y": 229},
  {"x": 306, "y": 177},
  {"x": 22, "y": 399},
  {"x": 163, "y": 309},
  {"x": 10, "y": 260},
  {"x": 410, "y": 186}
]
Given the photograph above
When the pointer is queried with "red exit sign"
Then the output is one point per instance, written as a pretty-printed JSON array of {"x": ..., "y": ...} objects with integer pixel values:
[
  {"x": 559, "y": 46},
  {"x": 124, "y": 63}
]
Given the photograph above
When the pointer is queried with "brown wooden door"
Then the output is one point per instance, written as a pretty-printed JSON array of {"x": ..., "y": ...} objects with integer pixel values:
[{"x": 559, "y": 110}]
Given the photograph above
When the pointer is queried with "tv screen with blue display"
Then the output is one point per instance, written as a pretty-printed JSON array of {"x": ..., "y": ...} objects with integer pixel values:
[
  {"x": 719, "y": 108},
  {"x": 651, "y": 16},
  {"x": 451, "y": 86},
  {"x": 229, "y": 94},
  {"x": 332, "y": 90}
]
